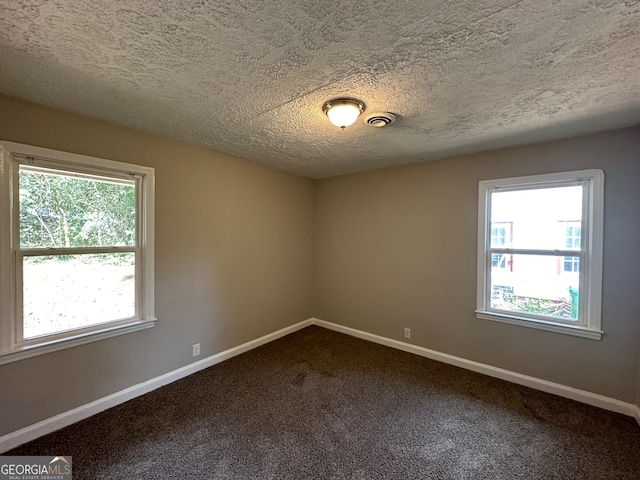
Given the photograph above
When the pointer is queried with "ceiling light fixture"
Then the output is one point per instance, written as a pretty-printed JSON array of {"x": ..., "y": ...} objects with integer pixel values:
[{"x": 343, "y": 112}]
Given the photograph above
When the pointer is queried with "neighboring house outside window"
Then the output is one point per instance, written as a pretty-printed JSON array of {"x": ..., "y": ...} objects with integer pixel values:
[
  {"x": 572, "y": 232},
  {"x": 76, "y": 249},
  {"x": 540, "y": 251},
  {"x": 501, "y": 236}
]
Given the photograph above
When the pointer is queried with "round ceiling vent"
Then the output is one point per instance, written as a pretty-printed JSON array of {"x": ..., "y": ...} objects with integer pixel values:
[{"x": 381, "y": 119}]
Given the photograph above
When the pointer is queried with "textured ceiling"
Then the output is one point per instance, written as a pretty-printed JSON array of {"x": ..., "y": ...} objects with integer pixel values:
[{"x": 249, "y": 77}]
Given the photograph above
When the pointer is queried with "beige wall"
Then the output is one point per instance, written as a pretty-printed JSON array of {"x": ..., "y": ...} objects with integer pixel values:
[
  {"x": 233, "y": 262},
  {"x": 394, "y": 248},
  {"x": 397, "y": 248}
]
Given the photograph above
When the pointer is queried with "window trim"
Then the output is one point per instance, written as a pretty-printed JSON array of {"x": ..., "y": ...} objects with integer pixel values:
[
  {"x": 10, "y": 157},
  {"x": 589, "y": 324}
]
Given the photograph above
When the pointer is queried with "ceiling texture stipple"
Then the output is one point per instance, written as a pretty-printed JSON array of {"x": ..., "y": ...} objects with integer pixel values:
[{"x": 249, "y": 78}]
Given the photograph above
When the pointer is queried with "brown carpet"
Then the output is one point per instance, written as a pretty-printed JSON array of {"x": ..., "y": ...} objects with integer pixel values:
[{"x": 322, "y": 405}]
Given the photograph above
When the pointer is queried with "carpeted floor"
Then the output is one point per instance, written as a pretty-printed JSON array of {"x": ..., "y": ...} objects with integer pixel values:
[{"x": 322, "y": 405}]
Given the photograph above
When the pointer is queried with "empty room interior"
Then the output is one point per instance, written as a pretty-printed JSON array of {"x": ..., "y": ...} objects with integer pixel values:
[{"x": 321, "y": 239}]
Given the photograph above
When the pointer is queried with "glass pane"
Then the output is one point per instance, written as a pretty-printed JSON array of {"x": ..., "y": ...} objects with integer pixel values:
[
  {"x": 67, "y": 292},
  {"x": 58, "y": 210},
  {"x": 536, "y": 284},
  {"x": 543, "y": 218}
]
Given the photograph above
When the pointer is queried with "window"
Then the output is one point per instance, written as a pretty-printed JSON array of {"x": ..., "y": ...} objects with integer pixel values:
[
  {"x": 540, "y": 251},
  {"x": 76, "y": 249}
]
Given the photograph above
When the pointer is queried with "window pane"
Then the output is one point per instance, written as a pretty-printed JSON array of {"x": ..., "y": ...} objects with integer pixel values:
[
  {"x": 537, "y": 284},
  {"x": 58, "y": 210},
  {"x": 74, "y": 291},
  {"x": 543, "y": 218}
]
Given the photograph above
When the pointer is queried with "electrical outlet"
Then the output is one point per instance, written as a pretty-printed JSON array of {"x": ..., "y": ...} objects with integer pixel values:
[
  {"x": 407, "y": 333},
  {"x": 196, "y": 350}
]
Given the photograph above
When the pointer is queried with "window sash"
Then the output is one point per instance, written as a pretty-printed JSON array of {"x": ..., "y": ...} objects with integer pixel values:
[
  {"x": 84, "y": 172},
  {"x": 580, "y": 321},
  {"x": 40, "y": 252},
  {"x": 579, "y": 252},
  {"x": 73, "y": 170}
]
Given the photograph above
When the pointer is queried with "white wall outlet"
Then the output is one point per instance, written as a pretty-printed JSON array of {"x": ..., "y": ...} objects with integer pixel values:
[
  {"x": 196, "y": 350},
  {"x": 407, "y": 333}
]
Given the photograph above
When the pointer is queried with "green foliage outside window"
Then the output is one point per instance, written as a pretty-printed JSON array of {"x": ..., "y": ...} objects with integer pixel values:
[
  {"x": 561, "y": 308},
  {"x": 59, "y": 211}
]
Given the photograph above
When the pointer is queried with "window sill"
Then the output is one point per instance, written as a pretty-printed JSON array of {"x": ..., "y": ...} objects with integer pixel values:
[
  {"x": 575, "y": 330},
  {"x": 48, "y": 346}
]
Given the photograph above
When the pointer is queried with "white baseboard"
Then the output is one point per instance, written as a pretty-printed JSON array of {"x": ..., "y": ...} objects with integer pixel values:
[
  {"x": 14, "y": 439},
  {"x": 582, "y": 396},
  {"x": 49, "y": 425}
]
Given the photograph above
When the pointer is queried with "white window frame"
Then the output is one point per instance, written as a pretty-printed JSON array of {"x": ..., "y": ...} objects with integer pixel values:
[
  {"x": 588, "y": 324},
  {"x": 12, "y": 346}
]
